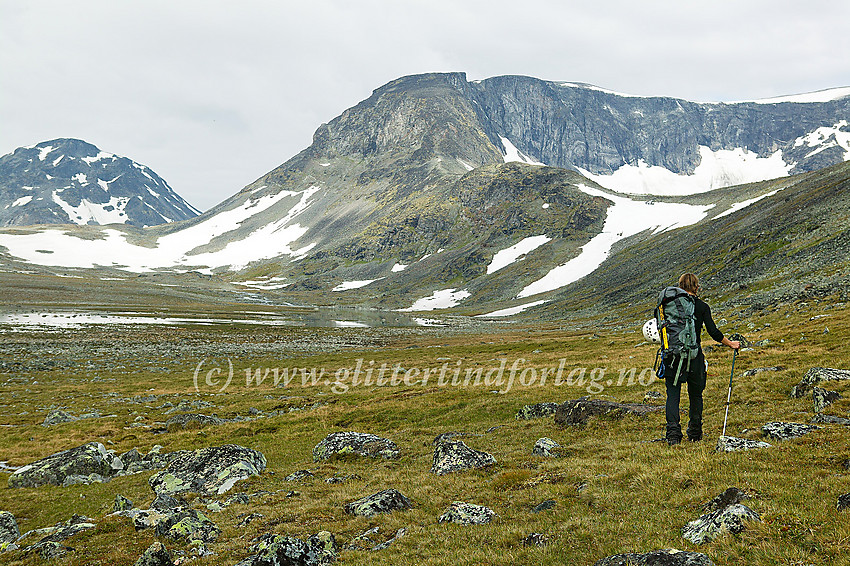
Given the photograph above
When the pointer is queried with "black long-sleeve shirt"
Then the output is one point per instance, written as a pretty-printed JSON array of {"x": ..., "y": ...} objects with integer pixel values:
[{"x": 702, "y": 314}]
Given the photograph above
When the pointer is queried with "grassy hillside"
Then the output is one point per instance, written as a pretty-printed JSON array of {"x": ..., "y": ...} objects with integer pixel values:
[{"x": 616, "y": 489}]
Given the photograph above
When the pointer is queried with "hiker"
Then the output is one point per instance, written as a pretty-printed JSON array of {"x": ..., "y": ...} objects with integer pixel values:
[{"x": 695, "y": 374}]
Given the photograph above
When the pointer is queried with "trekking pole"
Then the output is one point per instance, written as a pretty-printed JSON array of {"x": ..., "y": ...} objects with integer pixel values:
[{"x": 729, "y": 397}]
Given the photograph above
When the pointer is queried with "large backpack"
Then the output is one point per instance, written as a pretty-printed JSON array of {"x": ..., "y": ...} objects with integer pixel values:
[{"x": 676, "y": 322}]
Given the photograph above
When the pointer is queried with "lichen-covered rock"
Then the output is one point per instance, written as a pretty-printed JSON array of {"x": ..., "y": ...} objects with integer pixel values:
[
  {"x": 299, "y": 475},
  {"x": 784, "y": 431},
  {"x": 544, "y": 506},
  {"x": 820, "y": 418},
  {"x": 191, "y": 421},
  {"x": 466, "y": 514},
  {"x": 58, "y": 416},
  {"x": 9, "y": 531},
  {"x": 843, "y": 502},
  {"x": 667, "y": 557},
  {"x": 213, "y": 470},
  {"x": 729, "y": 519},
  {"x": 818, "y": 375},
  {"x": 357, "y": 443},
  {"x": 729, "y": 497},
  {"x": 49, "y": 545},
  {"x": 84, "y": 480},
  {"x": 121, "y": 503},
  {"x": 455, "y": 456},
  {"x": 276, "y": 550},
  {"x": 155, "y": 555},
  {"x": 535, "y": 539},
  {"x": 91, "y": 458},
  {"x": 50, "y": 550},
  {"x": 180, "y": 523},
  {"x": 548, "y": 448},
  {"x": 578, "y": 411},
  {"x": 536, "y": 411},
  {"x": 733, "y": 444},
  {"x": 756, "y": 371},
  {"x": 385, "y": 501},
  {"x": 821, "y": 398}
]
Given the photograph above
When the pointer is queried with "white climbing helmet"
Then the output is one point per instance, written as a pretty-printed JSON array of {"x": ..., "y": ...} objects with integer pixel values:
[{"x": 650, "y": 331}]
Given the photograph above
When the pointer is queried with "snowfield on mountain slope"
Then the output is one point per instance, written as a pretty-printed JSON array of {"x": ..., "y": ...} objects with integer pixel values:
[{"x": 175, "y": 250}]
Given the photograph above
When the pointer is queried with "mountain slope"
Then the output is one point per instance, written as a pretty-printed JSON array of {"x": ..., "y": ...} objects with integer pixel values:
[{"x": 68, "y": 181}]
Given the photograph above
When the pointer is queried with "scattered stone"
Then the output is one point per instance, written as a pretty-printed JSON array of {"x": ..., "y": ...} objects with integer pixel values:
[
  {"x": 732, "y": 444},
  {"x": 58, "y": 416},
  {"x": 548, "y": 448},
  {"x": 667, "y": 557},
  {"x": 398, "y": 534},
  {"x": 820, "y": 418},
  {"x": 756, "y": 371},
  {"x": 276, "y": 550},
  {"x": 466, "y": 514},
  {"x": 182, "y": 524},
  {"x": 727, "y": 517},
  {"x": 817, "y": 375},
  {"x": 784, "y": 431},
  {"x": 843, "y": 501},
  {"x": 9, "y": 531},
  {"x": 213, "y": 470},
  {"x": 536, "y": 411},
  {"x": 578, "y": 411},
  {"x": 821, "y": 398},
  {"x": 84, "y": 480},
  {"x": 652, "y": 397},
  {"x": 385, "y": 501},
  {"x": 343, "y": 478},
  {"x": 455, "y": 456},
  {"x": 91, "y": 458},
  {"x": 155, "y": 555},
  {"x": 48, "y": 546},
  {"x": 191, "y": 421},
  {"x": 163, "y": 502},
  {"x": 121, "y": 504},
  {"x": 50, "y": 550},
  {"x": 247, "y": 518},
  {"x": 731, "y": 496},
  {"x": 544, "y": 506},
  {"x": 535, "y": 539},
  {"x": 361, "y": 444},
  {"x": 299, "y": 475}
]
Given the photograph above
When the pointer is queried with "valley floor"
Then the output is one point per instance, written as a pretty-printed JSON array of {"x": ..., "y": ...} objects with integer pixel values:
[{"x": 282, "y": 389}]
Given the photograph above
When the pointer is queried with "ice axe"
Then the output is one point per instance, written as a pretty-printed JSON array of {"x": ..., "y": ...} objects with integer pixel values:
[{"x": 729, "y": 397}]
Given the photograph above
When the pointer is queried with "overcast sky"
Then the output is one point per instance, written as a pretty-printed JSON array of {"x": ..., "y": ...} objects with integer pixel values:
[{"x": 213, "y": 94}]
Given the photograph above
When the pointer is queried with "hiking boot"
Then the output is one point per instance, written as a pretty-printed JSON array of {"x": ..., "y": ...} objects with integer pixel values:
[
  {"x": 674, "y": 441},
  {"x": 695, "y": 439}
]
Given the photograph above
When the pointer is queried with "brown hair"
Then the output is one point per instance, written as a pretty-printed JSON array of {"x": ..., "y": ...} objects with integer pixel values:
[{"x": 689, "y": 282}]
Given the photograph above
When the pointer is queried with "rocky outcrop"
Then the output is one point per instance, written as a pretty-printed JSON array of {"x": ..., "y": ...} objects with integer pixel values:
[
  {"x": 368, "y": 540},
  {"x": 155, "y": 555},
  {"x": 466, "y": 514},
  {"x": 726, "y": 515},
  {"x": 455, "y": 456},
  {"x": 9, "y": 531},
  {"x": 357, "y": 443},
  {"x": 547, "y": 448},
  {"x": 121, "y": 503},
  {"x": 50, "y": 544},
  {"x": 385, "y": 501},
  {"x": 784, "y": 431},
  {"x": 174, "y": 520},
  {"x": 733, "y": 444},
  {"x": 208, "y": 471},
  {"x": 818, "y": 375},
  {"x": 536, "y": 411},
  {"x": 277, "y": 550},
  {"x": 821, "y": 398},
  {"x": 578, "y": 411},
  {"x": 668, "y": 557},
  {"x": 91, "y": 458}
]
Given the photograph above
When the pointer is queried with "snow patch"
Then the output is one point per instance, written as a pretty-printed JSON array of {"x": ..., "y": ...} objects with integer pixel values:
[
  {"x": 22, "y": 201},
  {"x": 513, "y": 154},
  {"x": 81, "y": 178},
  {"x": 626, "y": 217},
  {"x": 443, "y": 299},
  {"x": 44, "y": 152},
  {"x": 717, "y": 169},
  {"x": 57, "y": 160},
  {"x": 827, "y": 95},
  {"x": 398, "y": 267},
  {"x": 346, "y": 285},
  {"x": 98, "y": 157},
  {"x": 111, "y": 212},
  {"x": 825, "y": 137},
  {"x": 510, "y": 311},
  {"x": 744, "y": 204},
  {"x": 516, "y": 252}
]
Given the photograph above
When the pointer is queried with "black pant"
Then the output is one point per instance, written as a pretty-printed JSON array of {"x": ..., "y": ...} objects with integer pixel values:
[{"x": 695, "y": 378}]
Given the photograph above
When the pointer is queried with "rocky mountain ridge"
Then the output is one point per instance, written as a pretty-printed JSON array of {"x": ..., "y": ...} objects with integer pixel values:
[{"x": 69, "y": 181}]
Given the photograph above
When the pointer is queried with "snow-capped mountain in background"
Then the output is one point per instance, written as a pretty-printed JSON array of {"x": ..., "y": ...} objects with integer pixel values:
[
  {"x": 69, "y": 181},
  {"x": 414, "y": 198}
]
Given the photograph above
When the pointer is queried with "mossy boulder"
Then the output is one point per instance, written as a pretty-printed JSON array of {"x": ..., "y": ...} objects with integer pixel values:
[
  {"x": 355, "y": 443},
  {"x": 9, "y": 531},
  {"x": 729, "y": 519},
  {"x": 212, "y": 470},
  {"x": 466, "y": 514},
  {"x": 155, "y": 555},
  {"x": 277, "y": 550},
  {"x": 385, "y": 501},
  {"x": 85, "y": 460},
  {"x": 666, "y": 557},
  {"x": 455, "y": 456}
]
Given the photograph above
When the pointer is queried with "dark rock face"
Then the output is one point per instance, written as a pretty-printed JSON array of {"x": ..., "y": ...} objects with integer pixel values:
[
  {"x": 784, "y": 431},
  {"x": 67, "y": 181},
  {"x": 9, "y": 531},
  {"x": 276, "y": 550},
  {"x": 455, "y": 456},
  {"x": 466, "y": 514},
  {"x": 817, "y": 375},
  {"x": 91, "y": 458},
  {"x": 537, "y": 411},
  {"x": 155, "y": 555},
  {"x": 211, "y": 470},
  {"x": 358, "y": 443},
  {"x": 385, "y": 501},
  {"x": 669, "y": 557},
  {"x": 577, "y": 412}
]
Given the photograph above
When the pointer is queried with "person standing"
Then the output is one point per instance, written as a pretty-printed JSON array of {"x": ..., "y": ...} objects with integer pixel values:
[{"x": 695, "y": 375}]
